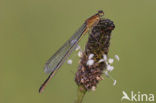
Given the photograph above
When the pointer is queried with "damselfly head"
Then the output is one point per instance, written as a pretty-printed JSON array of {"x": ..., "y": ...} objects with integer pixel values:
[{"x": 100, "y": 13}]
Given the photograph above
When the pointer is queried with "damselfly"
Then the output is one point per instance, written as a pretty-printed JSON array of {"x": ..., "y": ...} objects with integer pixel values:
[{"x": 55, "y": 62}]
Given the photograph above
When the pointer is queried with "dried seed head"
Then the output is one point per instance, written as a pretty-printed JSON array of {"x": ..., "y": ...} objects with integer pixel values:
[{"x": 94, "y": 59}]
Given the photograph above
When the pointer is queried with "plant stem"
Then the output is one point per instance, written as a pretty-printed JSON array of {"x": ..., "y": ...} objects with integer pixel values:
[{"x": 80, "y": 94}]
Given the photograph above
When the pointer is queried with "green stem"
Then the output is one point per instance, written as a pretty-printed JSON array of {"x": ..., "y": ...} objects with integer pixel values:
[{"x": 80, "y": 94}]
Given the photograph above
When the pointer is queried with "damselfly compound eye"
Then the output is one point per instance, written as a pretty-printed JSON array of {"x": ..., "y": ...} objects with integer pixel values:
[{"x": 100, "y": 13}]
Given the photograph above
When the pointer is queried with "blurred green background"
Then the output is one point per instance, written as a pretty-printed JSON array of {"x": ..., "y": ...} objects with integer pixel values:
[{"x": 32, "y": 30}]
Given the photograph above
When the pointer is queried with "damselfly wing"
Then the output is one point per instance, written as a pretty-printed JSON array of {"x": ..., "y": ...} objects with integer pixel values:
[
  {"x": 54, "y": 63},
  {"x": 58, "y": 58}
]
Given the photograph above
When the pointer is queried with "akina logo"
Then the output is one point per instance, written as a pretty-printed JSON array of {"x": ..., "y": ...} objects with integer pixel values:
[{"x": 137, "y": 96}]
